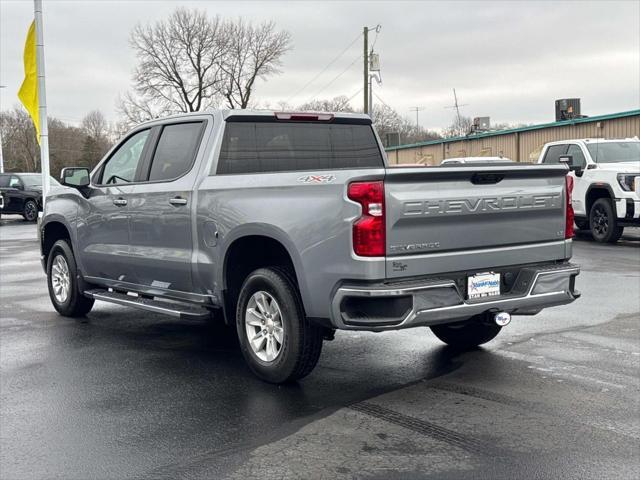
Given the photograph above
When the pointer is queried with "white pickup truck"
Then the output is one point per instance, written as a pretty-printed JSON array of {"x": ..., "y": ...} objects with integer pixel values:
[{"x": 606, "y": 192}]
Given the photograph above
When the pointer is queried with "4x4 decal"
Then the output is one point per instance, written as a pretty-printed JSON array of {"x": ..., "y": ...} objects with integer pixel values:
[{"x": 317, "y": 179}]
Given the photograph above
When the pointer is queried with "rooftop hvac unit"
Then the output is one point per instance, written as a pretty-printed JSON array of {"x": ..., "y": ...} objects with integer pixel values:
[
  {"x": 481, "y": 123},
  {"x": 567, "y": 109}
]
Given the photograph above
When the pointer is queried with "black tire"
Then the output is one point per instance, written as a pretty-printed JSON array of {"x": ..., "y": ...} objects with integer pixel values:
[
  {"x": 30, "y": 211},
  {"x": 301, "y": 339},
  {"x": 603, "y": 222},
  {"x": 75, "y": 304},
  {"x": 468, "y": 335}
]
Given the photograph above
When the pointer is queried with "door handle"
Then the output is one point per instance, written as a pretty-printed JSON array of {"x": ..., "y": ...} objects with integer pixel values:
[
  {"x": 119, "y": 202},
  {"x": 178, "y": 201}
]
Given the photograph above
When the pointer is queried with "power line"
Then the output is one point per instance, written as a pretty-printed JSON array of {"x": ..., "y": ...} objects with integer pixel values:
[
  {"x": 334, "y": 79},
  {"x": 352, "y": 96},
  {"x": 324, "y": 69},
  {"x": 381, "y": 100}
]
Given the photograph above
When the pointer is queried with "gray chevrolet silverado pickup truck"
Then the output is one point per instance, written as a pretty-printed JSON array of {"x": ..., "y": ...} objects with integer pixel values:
[{"x": 290, "y": 226}]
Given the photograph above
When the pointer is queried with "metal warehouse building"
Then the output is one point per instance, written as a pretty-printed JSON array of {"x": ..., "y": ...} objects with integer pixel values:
[{"x": 520, "y": 144}]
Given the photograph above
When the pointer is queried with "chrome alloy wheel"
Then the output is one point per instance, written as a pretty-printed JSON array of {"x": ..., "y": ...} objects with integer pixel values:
[
  {"x": 263, "y": 326},
  {"x": 60, "y": 279}
]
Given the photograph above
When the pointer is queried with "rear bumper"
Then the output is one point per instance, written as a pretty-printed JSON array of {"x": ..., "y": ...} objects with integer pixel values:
[{"x": 436, "y": 301}]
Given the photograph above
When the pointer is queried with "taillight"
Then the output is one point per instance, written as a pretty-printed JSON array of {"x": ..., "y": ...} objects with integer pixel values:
[
  {"x": 568, "y": 230},
  {"x": 369, "y": 229}
]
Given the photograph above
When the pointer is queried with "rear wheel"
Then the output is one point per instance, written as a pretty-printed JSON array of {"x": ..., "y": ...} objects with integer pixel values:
[
  {"x": 603, "y": 222},
  {"x": 467, "y": 335},
  {"x": 277, "y": 341},
  {"x": 30, "y": 211},
  {"x": 62, "y": 280}
]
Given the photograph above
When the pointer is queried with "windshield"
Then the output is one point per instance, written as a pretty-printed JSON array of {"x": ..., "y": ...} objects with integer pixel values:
[
  {"x": 35, "y": 180},
  {"x": 611, "y": 152}
]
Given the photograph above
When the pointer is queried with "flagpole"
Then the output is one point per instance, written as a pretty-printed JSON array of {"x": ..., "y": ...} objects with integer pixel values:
[
  {"x": 42, "y": 103},
  {"x": 1, "y": 157}
]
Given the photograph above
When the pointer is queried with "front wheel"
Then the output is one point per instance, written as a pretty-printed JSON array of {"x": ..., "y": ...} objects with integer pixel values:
[
  {"x": 277, "y": 341},
  {"x": 62, "y": 280},
  {"x": 468, "y": 335},
  {"x": 603, "y": 222},
  {"x": 30, "y": 211}
]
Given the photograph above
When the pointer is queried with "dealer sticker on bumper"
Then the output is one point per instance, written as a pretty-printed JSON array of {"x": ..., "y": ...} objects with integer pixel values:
[{"x": 483, "y": 285}]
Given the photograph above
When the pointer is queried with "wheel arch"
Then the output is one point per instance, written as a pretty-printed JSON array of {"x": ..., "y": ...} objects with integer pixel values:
[
  {"x": 254, "y": 247},
  {"x": 50, "y": 232},
  {"x": 595, "y": 192}
]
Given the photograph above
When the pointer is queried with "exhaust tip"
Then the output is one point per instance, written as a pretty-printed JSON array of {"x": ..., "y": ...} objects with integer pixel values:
[{"x": 502, "y": 318}]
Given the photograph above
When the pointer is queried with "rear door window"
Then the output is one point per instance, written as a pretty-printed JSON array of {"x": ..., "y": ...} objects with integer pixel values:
[
  {"x": 176, "y": 151},
  {"x": 261, "y": 147},
  {"x": 554, "y": 152},
  {"x": 4, "y": 181}
]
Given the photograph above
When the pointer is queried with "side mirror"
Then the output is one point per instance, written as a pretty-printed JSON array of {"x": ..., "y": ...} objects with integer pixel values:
[
  {"x": 76, "y": 177},
  {"x": 568, "y": 161}
]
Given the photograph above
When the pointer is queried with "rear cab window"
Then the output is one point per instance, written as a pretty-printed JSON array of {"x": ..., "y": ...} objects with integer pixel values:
[
  {"x": 264, "y": 146},
  {"x": 554, "y": 152}
]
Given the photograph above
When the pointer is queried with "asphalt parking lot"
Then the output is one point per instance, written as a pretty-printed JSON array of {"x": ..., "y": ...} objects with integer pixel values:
[{"x": 130, "y": 394}]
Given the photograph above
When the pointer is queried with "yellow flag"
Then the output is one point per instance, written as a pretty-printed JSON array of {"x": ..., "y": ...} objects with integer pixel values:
[{"x": 28, "y": 92}]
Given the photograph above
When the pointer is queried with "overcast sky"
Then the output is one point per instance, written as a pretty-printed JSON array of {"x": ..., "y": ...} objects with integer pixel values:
[{"x": 507, "y": 60}]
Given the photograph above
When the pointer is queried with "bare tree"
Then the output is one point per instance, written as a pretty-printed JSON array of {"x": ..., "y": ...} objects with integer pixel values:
[
  {"x": 96, "y": 138},
  {"x": 460, "y": 127},
  {"x": 68, "y": 145},
  {"x": 336, "y": 104},
  {"x": 254, "y": 52},
  {"x": 179, "y": 65},
  {"x": 20, "y": 149},
  {"x": 387, "y": 120},
  {"x": 190, "y": 62},
  {"x": 95, "y": 125}
]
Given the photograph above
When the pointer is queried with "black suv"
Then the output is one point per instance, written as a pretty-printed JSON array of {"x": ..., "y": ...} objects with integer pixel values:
[{"x": 22, "y": 193}]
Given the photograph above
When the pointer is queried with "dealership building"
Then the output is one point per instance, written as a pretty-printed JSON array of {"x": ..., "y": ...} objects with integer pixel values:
[{"x": 520, "y": 144}]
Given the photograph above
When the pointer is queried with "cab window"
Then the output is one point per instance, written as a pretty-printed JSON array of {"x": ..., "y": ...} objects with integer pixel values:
[
  {"x": 123, "y": 164},
  {"x": 554, "y": 152},
  {"x": 176, "y": 151}
]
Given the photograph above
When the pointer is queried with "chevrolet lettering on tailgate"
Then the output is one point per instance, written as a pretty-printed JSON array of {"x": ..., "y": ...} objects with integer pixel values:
[{"x": 485, "y": 204}]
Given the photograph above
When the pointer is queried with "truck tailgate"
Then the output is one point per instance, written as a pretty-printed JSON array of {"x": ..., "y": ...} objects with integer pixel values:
[{"x": 465, "y": 217}]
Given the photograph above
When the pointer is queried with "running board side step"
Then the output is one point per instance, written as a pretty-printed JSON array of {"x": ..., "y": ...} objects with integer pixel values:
[{"x": 174, "y": 309}]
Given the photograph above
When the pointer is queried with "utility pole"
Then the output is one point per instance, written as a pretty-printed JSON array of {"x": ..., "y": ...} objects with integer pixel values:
[
  {"x": 365, "y": 33},
  {"x": 417, "y": 109}
]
